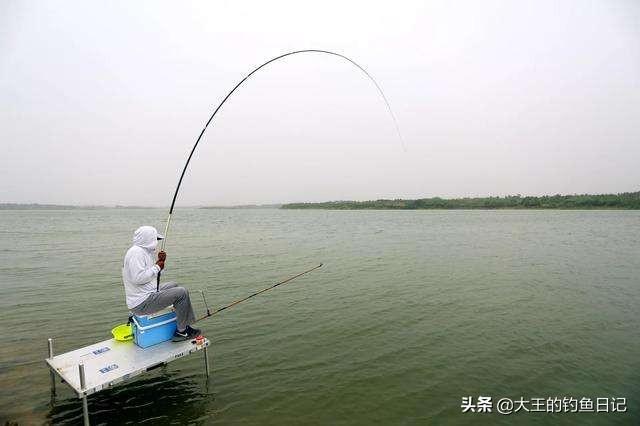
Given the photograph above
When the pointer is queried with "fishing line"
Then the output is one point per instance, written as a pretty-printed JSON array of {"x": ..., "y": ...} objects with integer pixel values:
[{"x": 326, "y": 52}]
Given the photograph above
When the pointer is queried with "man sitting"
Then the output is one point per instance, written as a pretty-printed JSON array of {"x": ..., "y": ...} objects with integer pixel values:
[{"x": 139, "y": 275}]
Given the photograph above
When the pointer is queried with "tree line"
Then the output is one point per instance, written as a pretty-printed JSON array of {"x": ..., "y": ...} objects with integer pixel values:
[{"x": 624, "y": 200}]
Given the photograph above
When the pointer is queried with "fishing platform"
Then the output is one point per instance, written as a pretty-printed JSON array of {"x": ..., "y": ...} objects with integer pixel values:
[
  {"x": 105, "y": 364},
  {"x": 134, "y": 350}
]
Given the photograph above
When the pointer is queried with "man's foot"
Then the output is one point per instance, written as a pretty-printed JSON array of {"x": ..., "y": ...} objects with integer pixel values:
[
  {"x": 188, "y": 333},
  {"x": 181, "y": 336},
  {"x": 193, "y": 332}
]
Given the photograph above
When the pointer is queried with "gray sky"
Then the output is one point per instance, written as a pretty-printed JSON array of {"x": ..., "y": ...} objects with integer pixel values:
[{"x": 101, "y": 101}]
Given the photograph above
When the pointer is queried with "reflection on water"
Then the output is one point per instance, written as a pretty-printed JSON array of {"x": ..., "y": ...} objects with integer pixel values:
[{"x": 157, "y": 398}]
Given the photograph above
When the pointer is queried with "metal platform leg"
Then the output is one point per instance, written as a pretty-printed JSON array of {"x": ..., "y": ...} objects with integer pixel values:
[
  {"x": 206, "y": 360},
  {"x": 53, "y": 375},
  {"x": 85, "y": 405}
]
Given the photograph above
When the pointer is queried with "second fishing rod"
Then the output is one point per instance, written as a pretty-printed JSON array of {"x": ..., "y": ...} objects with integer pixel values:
[{"x": 232, "y": 304}]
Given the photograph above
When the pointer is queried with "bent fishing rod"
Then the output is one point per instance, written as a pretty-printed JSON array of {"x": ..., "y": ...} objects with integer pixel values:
[
  {"x": 316, "y": 51},
  {"x": 230, "y": 305}
]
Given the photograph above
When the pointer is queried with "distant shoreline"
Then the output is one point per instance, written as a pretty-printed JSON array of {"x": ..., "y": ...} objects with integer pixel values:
[
  {"x": 38, "y": 206},
  {"x": 620, "y": 201}
]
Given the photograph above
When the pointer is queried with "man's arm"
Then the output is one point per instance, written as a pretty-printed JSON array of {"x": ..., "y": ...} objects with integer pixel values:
[{"x": 141, "y": 275}]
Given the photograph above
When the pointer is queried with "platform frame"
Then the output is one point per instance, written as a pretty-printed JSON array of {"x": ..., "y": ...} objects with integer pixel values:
[{"x": 105, "y": 364}]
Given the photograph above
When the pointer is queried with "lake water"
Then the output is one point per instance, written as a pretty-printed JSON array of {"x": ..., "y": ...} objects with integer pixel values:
[{"x": 412, "y": 311}]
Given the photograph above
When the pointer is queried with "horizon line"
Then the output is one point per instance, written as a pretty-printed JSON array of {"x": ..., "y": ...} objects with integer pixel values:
[{"x": 275, "y": 204}]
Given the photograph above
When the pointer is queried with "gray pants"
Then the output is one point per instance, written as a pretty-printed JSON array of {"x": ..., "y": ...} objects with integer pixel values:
[{"x": 169, "y": 294}]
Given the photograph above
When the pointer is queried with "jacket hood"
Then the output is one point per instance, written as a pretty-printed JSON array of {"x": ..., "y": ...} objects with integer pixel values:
[{"x": 146, "y": 237}]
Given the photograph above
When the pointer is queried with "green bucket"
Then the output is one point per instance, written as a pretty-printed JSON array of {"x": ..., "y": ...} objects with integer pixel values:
[{"x": 123, "y": 332}]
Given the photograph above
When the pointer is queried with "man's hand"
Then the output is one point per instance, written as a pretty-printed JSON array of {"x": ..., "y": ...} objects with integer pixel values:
[{"x": 162, "y": 256}]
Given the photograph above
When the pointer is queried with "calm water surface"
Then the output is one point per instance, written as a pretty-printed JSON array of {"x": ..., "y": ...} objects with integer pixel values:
[{"x": 412, "y": 311}]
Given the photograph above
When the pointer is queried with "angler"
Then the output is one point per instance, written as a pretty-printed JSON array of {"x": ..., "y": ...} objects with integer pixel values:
[{"x": 143, "y": 295}]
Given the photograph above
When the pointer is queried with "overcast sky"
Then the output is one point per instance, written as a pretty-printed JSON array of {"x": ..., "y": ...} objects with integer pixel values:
[{"x": 102, "y": 101}]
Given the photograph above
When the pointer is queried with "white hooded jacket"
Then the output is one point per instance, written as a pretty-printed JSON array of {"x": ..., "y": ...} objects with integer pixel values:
[{"x": 140, "y": 270}]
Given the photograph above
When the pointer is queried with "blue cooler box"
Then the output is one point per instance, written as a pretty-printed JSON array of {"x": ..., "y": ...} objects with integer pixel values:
[{"x": 149, "y": 330}]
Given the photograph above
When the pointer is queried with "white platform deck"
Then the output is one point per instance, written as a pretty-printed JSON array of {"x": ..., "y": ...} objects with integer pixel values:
[{"x": 111, "y": 362}]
